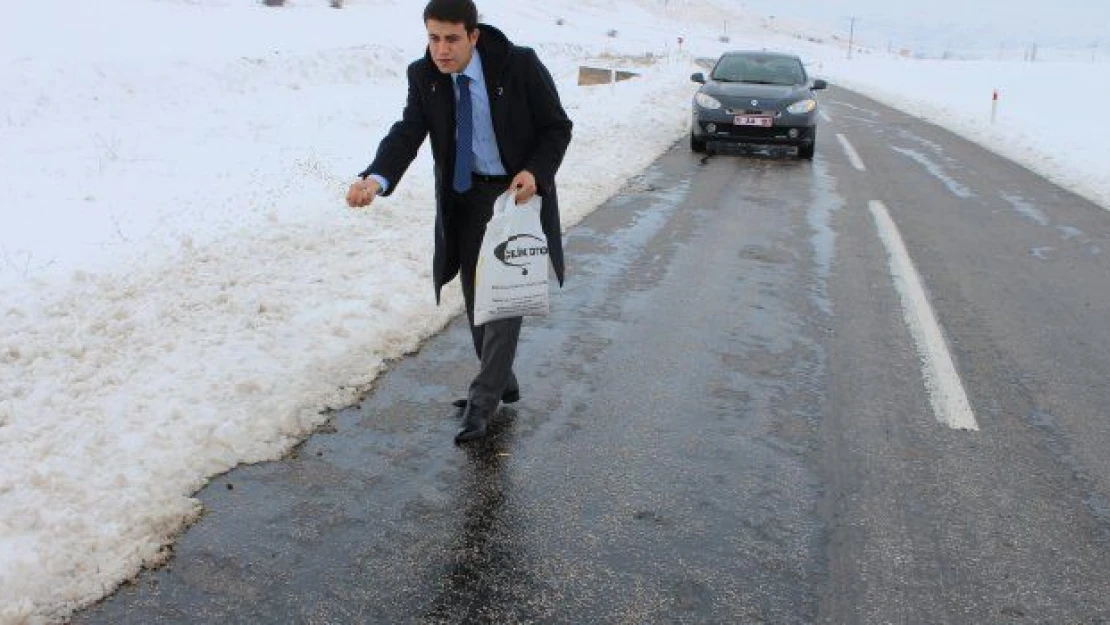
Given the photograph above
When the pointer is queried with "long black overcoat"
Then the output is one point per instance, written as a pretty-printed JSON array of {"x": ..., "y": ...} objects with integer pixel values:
[{"x": 532, "y": 129}]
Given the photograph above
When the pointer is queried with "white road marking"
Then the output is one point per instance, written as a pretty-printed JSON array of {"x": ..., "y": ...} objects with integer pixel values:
[
  {"x": 853, "y": 156},
  {"x": 946, "y": 391},
  {"x": 825, "y": 116}
]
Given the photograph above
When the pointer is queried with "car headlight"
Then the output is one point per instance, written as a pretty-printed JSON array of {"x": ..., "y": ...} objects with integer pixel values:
[
  {"x": 707, "y": 101},
  {"x": 801, "y": 107}
]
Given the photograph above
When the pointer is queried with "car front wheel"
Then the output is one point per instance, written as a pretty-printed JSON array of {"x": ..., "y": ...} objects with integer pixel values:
[
  {"x": 806, "y": 151},
  {"x": 696, "y": 144}
]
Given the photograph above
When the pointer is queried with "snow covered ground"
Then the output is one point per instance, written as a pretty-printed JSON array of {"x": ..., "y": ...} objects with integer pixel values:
[
  {"x": 1049, "y": 115},
  {"x": 182, "y": 288}
]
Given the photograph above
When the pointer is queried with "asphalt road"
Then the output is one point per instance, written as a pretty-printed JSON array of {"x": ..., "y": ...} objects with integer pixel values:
[{"x": 738, "y": 412}]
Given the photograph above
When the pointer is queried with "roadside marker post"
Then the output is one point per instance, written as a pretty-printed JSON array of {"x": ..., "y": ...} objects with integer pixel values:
[{"x": 994, "y": 106}]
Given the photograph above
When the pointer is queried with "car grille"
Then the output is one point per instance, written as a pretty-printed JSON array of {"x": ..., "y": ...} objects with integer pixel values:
[
  {"x": 755, "y": 134},
  {"x": 768, "y": 112},
  {"x": 750, "y": 131}
]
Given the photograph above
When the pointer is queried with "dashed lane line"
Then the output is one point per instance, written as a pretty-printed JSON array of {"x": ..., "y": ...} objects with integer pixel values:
[
  {"x": 946, "y": 391},
  {"x": 853, "y": 156}
]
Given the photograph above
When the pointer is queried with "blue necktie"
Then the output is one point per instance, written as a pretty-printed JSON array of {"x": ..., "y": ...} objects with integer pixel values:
[{"x": 464, "y": 140}]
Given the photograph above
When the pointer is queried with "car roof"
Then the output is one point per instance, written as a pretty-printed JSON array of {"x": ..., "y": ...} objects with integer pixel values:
[{"x": 761, "y": 53}]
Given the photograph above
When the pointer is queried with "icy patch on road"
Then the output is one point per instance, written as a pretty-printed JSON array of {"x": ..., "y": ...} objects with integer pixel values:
[
  {"x": 825, "y": 203},
  {"x": 1027, "y": 210},
  {"x": 957, "y": 189}
]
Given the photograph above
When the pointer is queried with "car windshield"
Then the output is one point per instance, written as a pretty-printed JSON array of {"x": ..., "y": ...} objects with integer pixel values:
[{"x": 764, "y": 70}]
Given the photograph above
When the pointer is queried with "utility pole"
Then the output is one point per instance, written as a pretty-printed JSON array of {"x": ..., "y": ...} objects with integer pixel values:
[{"x": 851, "y": 37}]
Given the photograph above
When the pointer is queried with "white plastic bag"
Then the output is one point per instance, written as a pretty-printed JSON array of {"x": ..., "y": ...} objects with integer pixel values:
[{"x": 511, "y": 277}]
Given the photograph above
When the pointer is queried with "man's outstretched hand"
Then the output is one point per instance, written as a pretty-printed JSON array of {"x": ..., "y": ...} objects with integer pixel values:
[{"x": 363, "y": 192}]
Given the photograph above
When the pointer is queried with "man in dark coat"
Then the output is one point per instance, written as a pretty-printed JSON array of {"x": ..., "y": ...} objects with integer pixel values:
[{"x": 496, "y": 124}]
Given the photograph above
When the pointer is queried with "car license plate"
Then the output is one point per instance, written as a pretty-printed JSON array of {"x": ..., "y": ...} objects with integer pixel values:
[{"x": 753, "y": 120}]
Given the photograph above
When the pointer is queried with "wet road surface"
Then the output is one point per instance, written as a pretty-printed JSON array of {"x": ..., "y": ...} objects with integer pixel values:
[{"x": 724, "y": 420}]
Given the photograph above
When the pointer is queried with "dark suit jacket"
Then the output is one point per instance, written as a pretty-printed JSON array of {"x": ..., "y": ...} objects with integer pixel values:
[{"x": 532, "y": 130}]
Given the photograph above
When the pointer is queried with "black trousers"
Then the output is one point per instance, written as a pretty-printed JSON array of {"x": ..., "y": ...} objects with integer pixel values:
[{"x": 494, "y": 342}]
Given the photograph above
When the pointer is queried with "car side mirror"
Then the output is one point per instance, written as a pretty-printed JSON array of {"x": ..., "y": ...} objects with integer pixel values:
[
  {"x": 820, "y": 84},
  {"x": 698, "y": 77}
]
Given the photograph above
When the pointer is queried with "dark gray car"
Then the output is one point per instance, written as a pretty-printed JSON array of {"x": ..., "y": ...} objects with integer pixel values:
[{"x": 755, "y": 98}]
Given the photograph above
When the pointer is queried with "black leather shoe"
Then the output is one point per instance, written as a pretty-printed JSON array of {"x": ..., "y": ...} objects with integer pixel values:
[
  {"x": 474, "y": 425},
  {"x": 510, "y": 397}
]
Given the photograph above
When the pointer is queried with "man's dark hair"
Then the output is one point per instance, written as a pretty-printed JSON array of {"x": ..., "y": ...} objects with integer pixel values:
[{"x": 453, "y": 12}]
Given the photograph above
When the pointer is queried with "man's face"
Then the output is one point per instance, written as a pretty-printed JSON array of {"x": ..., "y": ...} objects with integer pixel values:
[{"x": 450, "y": 45}]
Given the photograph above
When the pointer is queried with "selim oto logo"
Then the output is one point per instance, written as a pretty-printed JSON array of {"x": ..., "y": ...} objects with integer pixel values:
[{"x": 517, "y": 251}]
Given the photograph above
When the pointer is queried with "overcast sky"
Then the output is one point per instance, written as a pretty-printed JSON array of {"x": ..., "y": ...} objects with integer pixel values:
[{"x": 938, "y": 24}]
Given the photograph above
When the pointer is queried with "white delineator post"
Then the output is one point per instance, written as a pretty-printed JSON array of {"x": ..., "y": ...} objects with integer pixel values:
[{"x": 994, "y": 106}]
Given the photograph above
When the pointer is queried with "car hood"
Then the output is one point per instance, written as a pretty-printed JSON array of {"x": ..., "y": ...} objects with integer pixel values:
[{"x": 740, "y": 95}]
